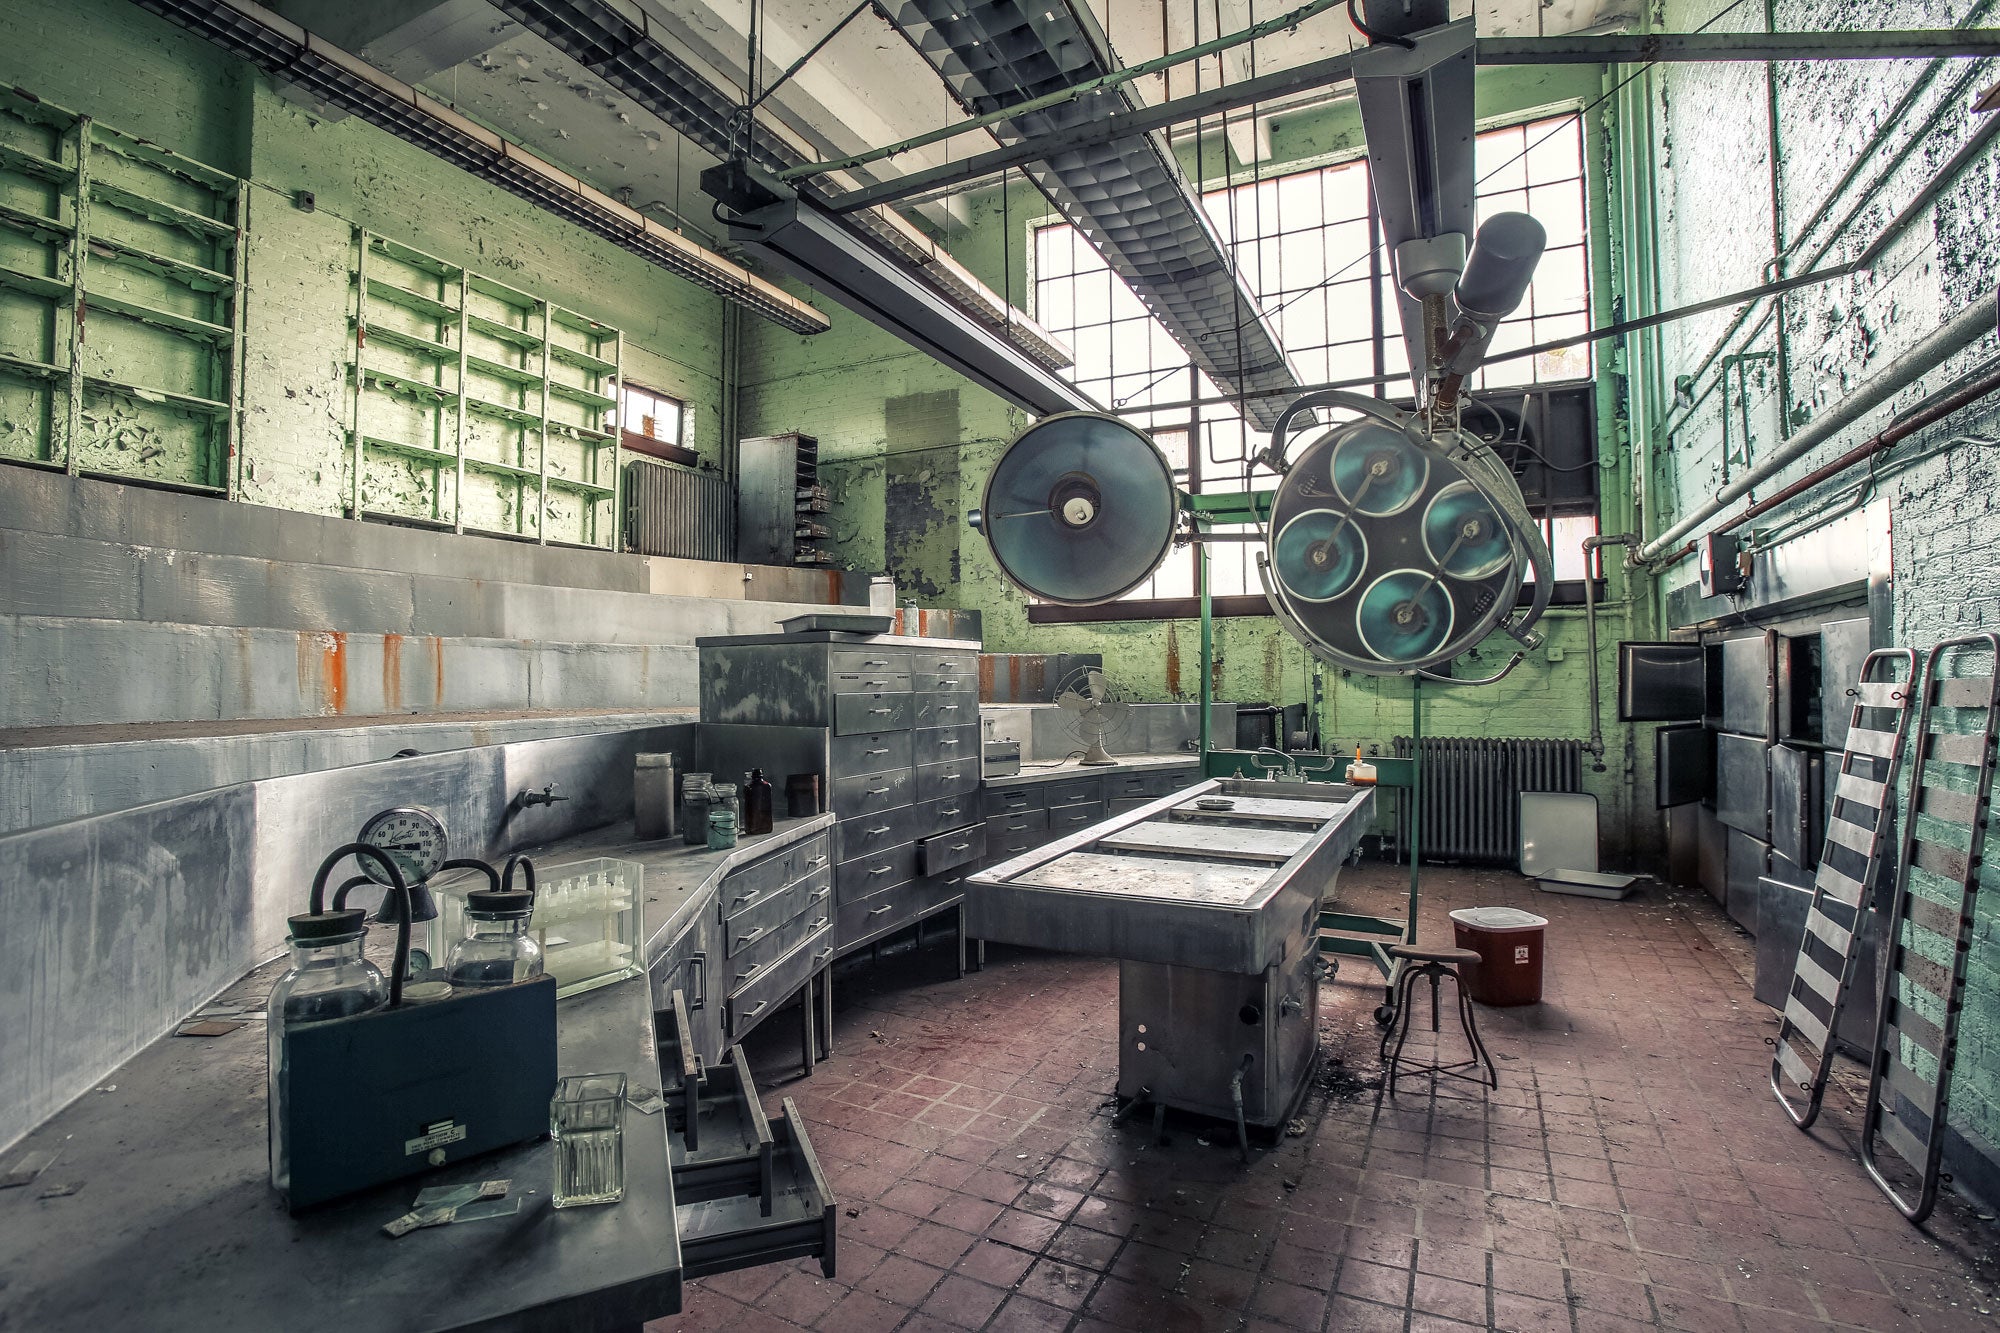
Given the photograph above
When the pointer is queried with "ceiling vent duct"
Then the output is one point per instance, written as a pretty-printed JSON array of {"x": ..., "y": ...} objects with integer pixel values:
[
  {"x": 284, "y": 49},
  {"x": 629, "y": 57},
  {"x": 1126, "y": 195}
]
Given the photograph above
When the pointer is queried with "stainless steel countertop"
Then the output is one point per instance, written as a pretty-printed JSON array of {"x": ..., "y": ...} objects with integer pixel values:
[
  {"x": 174, "y": 1225},
  {"x": 1043, "y": 770},
  {"x": 680, "y": 879}
]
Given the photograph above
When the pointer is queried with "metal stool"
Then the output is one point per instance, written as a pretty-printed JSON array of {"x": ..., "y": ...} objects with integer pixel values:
[{"x": 1419, "y": 961}]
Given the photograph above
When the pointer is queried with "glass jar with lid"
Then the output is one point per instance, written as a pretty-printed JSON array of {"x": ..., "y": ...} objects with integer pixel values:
[
  {"x": 328, "y": 978},
  {"x": 498, "y": 948}
]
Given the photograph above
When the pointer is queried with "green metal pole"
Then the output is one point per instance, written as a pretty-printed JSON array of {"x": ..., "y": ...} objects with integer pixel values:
[
  {"x": 1416, "y": 797},
  {"x": 1207, "y": 641}
]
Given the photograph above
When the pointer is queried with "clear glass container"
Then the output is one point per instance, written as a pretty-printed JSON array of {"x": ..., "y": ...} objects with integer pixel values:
[
  {"x": 587, "y": 1122},
  {"x": 586, "y": 919},
  {"x": 499, "y": 947},
  {"x": 328, "y": 978},
  {"x": 694, "y": 809},
  {"x": 724, "y": 796}
]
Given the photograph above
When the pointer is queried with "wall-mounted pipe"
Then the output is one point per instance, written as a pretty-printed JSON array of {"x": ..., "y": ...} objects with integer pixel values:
[
  {"x": 1591, "y": 546},
  {"x": 1962, "y": 330},
  {"x": 1889, "y": 436}
]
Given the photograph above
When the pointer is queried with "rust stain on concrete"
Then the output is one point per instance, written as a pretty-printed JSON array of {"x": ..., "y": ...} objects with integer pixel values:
[
  {"x": 392, "y": 672},
  {"x": 1173, "y": 662},
  {"x": 437, "y": 672},
  {"x": 333, "y": 670}
]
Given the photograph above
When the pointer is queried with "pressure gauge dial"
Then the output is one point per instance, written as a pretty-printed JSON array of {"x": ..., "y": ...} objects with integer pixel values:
[{"x": 414, "y": 839}]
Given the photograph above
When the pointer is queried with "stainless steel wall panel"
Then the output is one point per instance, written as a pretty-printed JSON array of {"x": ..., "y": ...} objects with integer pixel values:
[
  {"x": 1742, "y": 786},
  {"x": 1747, "y": 687},
  {"x": 1749, "y": 861},
  {"x": 1844, "y": 646}
]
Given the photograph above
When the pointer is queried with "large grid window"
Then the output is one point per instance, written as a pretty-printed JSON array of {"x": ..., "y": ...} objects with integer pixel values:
[{"x": 1309, "y": 247}]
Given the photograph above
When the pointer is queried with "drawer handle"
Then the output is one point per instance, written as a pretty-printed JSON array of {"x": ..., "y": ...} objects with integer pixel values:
[
  {"x": 749, "y": 897},
  {"x": 819, "y": 895},
  {"x": 755, "y": 1009},
  {"x": 817, "y": 926},
  {"x": 960, "y": 846},
  {"x": 867, "y": 753},
  {"x": 751, "y": 937},
  {"x": 878, "y": 684},
  {"x": 880, "y": 791},
  {"x": 742, "y": 977},
  {"x": 822, "y": 955},
  {"x": 875, "y": 664},
  {"x": 885, "y": 907},
  {"x": 1017, "y": 828},
  {"x": 953, "y": 812},
  {"x": 816, "y": 861},
  {"x": 946, "y": 744},
  {"x": 1078, "y": 819},
  {"x": 880, "y": 870},
  {"x": 880, "y": 712},
  {"x": 955, "y": 879},
  {"x": 878, "y": 830},
  {"x": 947, "y": 708}
]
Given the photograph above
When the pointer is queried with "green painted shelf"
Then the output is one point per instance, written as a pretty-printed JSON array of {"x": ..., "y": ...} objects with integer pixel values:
[
  {"x": 34, "y": 164},
  {"x": 414, "y": 301},
  {"x": 410, "y": 342},
  {"x": 199, "y": 225},
  {"x": 506, "y": 333},
  {"x": 186, "y": 325},
  {"x": 201, "y": 278},
  {"x": 46, "y": 230},
  {"x": 31, "y": 285}
]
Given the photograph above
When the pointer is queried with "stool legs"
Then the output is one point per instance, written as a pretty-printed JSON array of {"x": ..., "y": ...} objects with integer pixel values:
[{"x": 1480, "y": 1065}]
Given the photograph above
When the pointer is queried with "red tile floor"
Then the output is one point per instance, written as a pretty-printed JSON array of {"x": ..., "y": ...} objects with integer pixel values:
[{"x": 1631, "y": 1171}]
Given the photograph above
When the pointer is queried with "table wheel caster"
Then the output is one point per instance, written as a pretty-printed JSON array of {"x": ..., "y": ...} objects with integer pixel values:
[{"x": 1385, "y": 1014}]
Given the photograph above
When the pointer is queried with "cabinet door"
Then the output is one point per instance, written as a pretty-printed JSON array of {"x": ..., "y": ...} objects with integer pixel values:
[{"x": 689, "y": 964}]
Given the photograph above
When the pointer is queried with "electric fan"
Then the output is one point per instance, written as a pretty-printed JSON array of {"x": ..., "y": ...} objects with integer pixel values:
[{"x": 1097, "y": 708}]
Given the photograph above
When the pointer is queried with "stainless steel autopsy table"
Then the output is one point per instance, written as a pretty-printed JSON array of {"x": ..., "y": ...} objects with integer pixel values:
[{"x": 1214, "y": 918}]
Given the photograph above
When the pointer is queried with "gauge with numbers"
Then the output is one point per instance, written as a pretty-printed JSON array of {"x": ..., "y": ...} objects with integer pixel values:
[{"x": 414, "y": 839}]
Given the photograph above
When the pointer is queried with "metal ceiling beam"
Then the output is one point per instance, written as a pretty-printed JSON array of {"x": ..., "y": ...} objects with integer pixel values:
[
  {"x": 1644, "y": 48},
  {"x": 1332, "y": 70},
  {"x": 817, "y": 248},
  {"x": 1118, "y": 125}
]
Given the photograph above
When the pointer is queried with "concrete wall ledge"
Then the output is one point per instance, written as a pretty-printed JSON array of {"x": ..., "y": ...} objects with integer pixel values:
[{"x": 57, "y": 773}]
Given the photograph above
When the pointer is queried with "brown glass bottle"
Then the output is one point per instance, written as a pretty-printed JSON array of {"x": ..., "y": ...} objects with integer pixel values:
[{"x": 757, "y": 803}]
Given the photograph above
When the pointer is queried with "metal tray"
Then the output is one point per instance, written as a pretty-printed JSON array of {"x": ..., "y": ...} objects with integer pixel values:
[
  {"x": 839, "y": 622},
  {"x": 1586, "y": 883}
]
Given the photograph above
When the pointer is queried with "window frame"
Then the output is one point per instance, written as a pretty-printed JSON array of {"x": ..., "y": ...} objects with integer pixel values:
[
  {"x": 632, "y": 441},
  {"x": 1384, "y": 332}
]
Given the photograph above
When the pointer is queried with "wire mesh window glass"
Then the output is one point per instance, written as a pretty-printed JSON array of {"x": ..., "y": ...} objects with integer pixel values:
[{"x": 1308, "y": 248}]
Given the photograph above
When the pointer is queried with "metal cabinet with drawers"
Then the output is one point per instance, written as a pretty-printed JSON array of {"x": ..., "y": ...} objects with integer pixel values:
[
  {"x": 766, "y": 940},
  {"x": 896, "y": 742}
]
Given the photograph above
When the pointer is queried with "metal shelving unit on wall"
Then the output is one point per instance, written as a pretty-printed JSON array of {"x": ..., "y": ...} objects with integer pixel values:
[
  {"x": 476, "y": 406},
  {"x": 121, "y": 303}
]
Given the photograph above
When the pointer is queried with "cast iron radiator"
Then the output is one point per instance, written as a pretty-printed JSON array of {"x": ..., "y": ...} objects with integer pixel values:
[
  {"x": 675, "y": 511},
  {"x": 1472, "y": 792}
]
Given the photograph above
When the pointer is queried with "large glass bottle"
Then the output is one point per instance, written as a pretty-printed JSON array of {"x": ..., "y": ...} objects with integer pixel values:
[
  {"x": 757, "y": 803},
  {"x": 328, "y": 978},
  {"x": 498, "y": 949}
]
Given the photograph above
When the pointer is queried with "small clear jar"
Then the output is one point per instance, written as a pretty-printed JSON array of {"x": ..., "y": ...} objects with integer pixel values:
[
  {"x": 328, "y": 978},
  {"x": 498, "y": 949}
]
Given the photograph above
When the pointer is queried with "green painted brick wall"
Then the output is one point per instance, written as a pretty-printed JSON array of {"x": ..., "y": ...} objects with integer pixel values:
[
  {"x": 113, "y": 61},
  {"x": 1839, "y": 165}
]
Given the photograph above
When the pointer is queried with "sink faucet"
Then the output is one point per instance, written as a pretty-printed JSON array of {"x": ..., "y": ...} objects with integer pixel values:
[
  {"x": 546, "y": 796},
  {"x": 1289, "y": 764}
]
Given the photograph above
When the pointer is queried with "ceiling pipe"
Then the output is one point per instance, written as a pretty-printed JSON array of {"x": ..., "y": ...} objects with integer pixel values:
[
  {"x": 1962, "y": 330},
  {"x": 1887, "y": 438},
  {"x": 1088, "y": 87}
]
